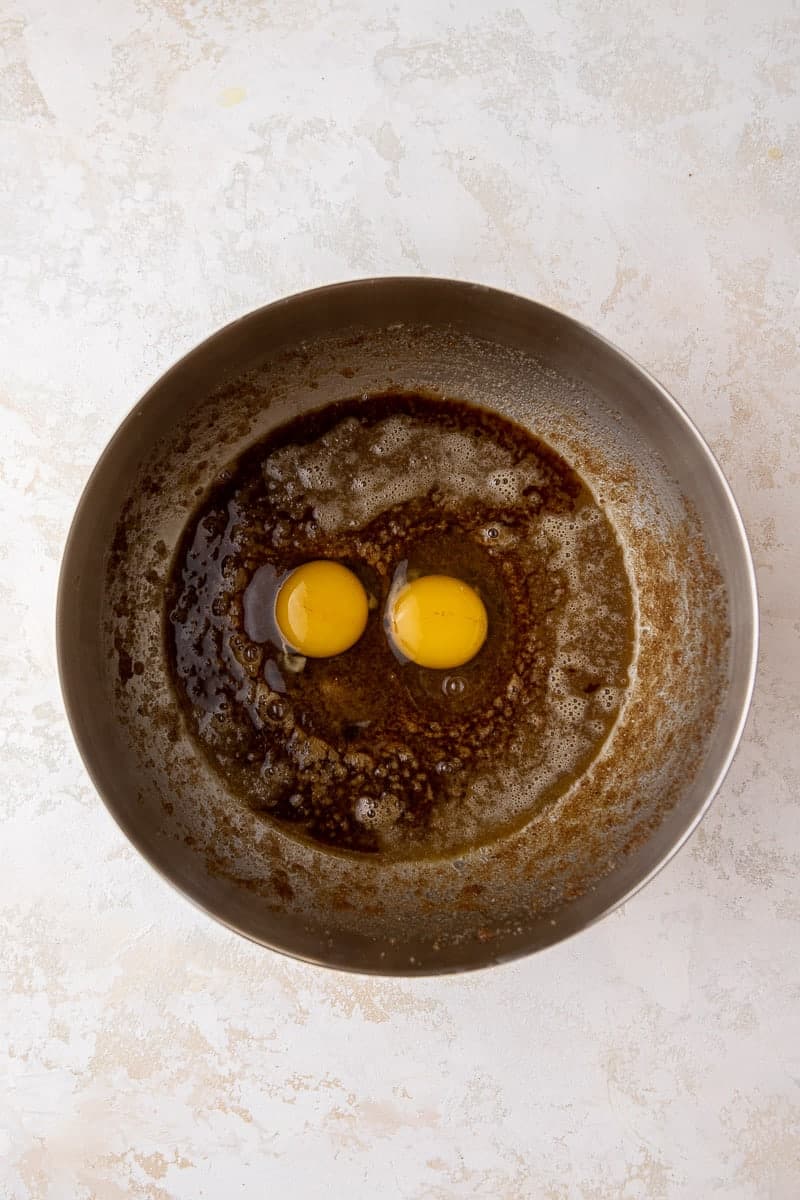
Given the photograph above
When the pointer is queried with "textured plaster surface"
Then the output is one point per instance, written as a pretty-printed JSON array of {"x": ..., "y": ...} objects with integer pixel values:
[{"x": 168, "y": 166}]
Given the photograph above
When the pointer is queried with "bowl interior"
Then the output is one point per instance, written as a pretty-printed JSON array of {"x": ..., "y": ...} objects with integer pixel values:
[{"x": 686, "y": 554}]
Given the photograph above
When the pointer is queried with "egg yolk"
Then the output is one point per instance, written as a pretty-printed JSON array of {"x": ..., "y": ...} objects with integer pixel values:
[
  {"x": 321, "y": 609},
  {"x": 437, "y": 621}
]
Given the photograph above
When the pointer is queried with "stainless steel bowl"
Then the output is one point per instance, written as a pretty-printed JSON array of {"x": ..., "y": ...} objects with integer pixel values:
[{"x": 686, "y": 552}]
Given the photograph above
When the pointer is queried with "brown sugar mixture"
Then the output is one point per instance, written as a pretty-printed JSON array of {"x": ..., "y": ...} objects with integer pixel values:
[{"x": 361, "y": 751}]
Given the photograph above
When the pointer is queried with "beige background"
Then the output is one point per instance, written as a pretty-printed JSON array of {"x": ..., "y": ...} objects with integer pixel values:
[{"x": 169, "y": 165}]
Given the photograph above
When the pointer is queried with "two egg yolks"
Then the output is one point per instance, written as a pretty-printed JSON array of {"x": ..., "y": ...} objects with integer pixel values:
[{"x": 435, "y": 621}]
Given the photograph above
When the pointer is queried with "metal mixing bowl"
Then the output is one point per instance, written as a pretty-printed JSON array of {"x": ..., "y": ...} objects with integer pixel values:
[{"x": 686, "y": 552}]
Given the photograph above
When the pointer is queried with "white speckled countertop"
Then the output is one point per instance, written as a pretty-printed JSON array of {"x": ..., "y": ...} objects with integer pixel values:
[{"x": 169, "y": 164}]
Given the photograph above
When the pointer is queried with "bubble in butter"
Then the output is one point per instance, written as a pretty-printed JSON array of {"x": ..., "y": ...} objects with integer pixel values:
[
  {"x": 321, "y": 609},
  {"x": 437, "y": 621}
]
